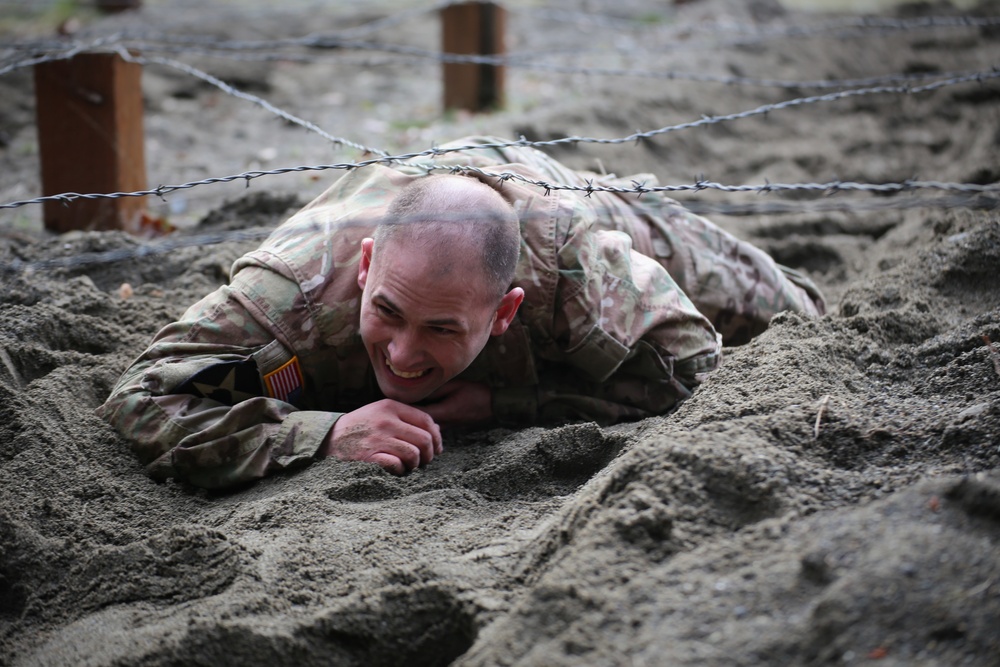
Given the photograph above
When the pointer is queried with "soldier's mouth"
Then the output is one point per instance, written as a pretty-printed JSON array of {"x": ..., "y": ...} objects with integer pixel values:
[{"x": 404, "y": 374}]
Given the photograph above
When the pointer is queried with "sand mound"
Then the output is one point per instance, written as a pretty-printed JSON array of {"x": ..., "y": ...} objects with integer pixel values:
[{"x": 831, "y": 495}]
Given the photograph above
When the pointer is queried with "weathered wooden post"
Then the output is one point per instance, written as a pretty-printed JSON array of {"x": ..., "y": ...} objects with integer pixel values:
[
  {"x": 90, "y": 138},
  {"x": 115, "y": 6},
  {"x": 473, "y": 28}
]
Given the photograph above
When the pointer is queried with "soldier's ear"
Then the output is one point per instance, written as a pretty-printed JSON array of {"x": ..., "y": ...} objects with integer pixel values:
[
  {"x": 366, "y": 262},
  {"x": 506, "y": 311}
]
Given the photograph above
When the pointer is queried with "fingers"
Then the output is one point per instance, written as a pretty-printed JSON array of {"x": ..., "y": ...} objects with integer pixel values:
[
  {"x": 438, "y": 442},
  {"x": 413, "y": 446},
  {"x": 423, "y": 421},
  {"x": 397, "y": 436},
  {"x": 399, "y": 456},
  {"x": 389, "y": 463}
]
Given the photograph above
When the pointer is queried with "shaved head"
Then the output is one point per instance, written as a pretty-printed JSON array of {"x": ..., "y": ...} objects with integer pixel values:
[{"x": 455, "y": 219}]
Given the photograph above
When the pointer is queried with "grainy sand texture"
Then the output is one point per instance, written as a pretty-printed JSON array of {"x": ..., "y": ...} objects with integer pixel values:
[{"x": 831, "y": 496}]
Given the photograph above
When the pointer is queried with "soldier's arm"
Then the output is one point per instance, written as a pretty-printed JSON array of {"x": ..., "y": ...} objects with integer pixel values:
[
  {"x": 632, "y": 344},
  {"x": 193, "y": 409}
]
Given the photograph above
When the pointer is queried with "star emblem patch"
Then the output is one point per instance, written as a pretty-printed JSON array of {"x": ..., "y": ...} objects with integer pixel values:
[{"x": 228, "y": 382}]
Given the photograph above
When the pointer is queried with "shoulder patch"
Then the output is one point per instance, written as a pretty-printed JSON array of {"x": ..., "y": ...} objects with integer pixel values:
[
  {"x": 228, "y": 382},
  {"x": 285, "y": 384}
]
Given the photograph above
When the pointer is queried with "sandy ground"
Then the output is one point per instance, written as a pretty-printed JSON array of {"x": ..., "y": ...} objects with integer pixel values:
[{"x": 830, "y": 496}]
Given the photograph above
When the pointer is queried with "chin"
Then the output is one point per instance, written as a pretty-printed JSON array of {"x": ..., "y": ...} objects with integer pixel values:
[{"x": 404, "y": 394}]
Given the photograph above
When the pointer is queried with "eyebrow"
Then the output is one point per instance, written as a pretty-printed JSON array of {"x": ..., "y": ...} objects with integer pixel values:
[{"x": 444, "y": 321}]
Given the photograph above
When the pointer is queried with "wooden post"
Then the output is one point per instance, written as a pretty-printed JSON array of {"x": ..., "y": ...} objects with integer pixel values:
[
  {"x": 90, "y": 138},
  {"x": 115, "y": 6},
  {"x": 473, "y": 28}
]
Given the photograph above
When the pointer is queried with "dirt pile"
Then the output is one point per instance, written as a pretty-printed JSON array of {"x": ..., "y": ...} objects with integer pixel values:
[{"x": 831, "y": 495}]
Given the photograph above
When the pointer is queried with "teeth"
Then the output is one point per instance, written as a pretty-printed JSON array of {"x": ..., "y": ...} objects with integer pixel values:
[{"x": 403, "y": 374}]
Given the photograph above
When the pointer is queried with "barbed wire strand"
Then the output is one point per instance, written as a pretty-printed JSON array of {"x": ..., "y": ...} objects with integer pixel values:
[
  {"x": 216, "y": 48},
  {"x": 264, "y": 104},
  {"x": 519, "y": 62},
  {"x": 384, "y": 158},
  {"x": 669, "y": 75},
  {"x": 638, "y": 188},
  {"x": 67, "y": 52},
  {"x": 974, "y": 194},
  {"x": 981, "y": 202},
  {"x": 143, "y": 250},
  {"x": 862, "y": 23},
  {"x": 338, "y": 40},
  {"x": 860, "y": 26}
]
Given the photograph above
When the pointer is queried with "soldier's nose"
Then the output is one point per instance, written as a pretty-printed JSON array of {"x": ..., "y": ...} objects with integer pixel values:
[{"x": 403, "y": 352}]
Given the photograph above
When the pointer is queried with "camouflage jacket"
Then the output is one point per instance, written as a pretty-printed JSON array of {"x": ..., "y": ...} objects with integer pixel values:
[{"x": 252, "y": 377}]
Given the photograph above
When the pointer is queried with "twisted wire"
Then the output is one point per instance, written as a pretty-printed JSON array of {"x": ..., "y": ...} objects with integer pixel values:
[
  {"x": 264, "y": 104},
  {"x": 383, "y": 158},
  {"x": 143, "y": 250},
  {"x": 968, "y": 195}
]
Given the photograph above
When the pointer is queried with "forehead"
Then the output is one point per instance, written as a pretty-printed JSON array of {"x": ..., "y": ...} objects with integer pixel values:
[{"x": 442, "y": 280}]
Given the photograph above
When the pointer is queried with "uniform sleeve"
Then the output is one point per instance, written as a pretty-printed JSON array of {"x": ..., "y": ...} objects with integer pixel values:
[
  {"x": 235, "y": 432},
  {"x": 627, "y": 341}
]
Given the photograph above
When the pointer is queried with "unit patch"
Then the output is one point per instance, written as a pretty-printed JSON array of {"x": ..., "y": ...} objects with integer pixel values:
[{"x": 228, "y": 382}]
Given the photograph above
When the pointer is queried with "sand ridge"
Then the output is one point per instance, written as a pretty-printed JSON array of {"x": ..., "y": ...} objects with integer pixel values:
[{"x": 830, "y": 496}]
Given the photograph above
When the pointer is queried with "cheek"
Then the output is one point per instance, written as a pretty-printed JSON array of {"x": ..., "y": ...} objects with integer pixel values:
[
  {"x": 370, "y": 328},
  {"x": 453, "y": 354}
]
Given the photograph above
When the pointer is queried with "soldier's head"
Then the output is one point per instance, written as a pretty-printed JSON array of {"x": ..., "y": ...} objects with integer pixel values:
[{"x": 436, "y": 283}]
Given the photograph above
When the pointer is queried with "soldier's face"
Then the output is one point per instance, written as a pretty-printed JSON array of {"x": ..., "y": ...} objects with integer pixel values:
[{"x": 424, "y": 319}]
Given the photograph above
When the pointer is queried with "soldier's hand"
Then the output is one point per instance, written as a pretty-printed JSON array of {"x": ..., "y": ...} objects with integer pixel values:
[
  {"x": 460, "y": 402},
  {"x": 396, "y": 436}
]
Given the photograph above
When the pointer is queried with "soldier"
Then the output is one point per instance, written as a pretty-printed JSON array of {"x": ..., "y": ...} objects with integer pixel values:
[{"x": 402, "y": 299}]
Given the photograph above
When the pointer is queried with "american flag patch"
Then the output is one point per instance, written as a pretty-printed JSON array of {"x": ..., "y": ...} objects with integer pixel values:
[{"x": 285, "y": 384}]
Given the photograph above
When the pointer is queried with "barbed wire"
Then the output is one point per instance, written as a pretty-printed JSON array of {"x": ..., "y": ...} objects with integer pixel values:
[
  {"x": 750, "y": 33},
  {"x": 668, "y": 75},
  {"x": 637, "y": 188},
  {"x": 960, "y": 195},
  {"x": 64, "y": 51},
  {"x": 860, "y": 25},
  {"x": 139, "y": 250},
  {"x": 237, "y": 49},
  {"x": 519, "y": 61},
  {"x": 384, "y": 158},
  {"x": 980, "y": 202},
  {"x": 230, "y": 90},
  {"x": 640, "y": 188}
]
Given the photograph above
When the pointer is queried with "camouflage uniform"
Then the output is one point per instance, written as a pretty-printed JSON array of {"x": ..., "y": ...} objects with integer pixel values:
[{"x": 604, "y": 332}]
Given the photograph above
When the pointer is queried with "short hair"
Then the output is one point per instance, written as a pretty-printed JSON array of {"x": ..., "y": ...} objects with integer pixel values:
[{"x": 432, "y": 208}]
